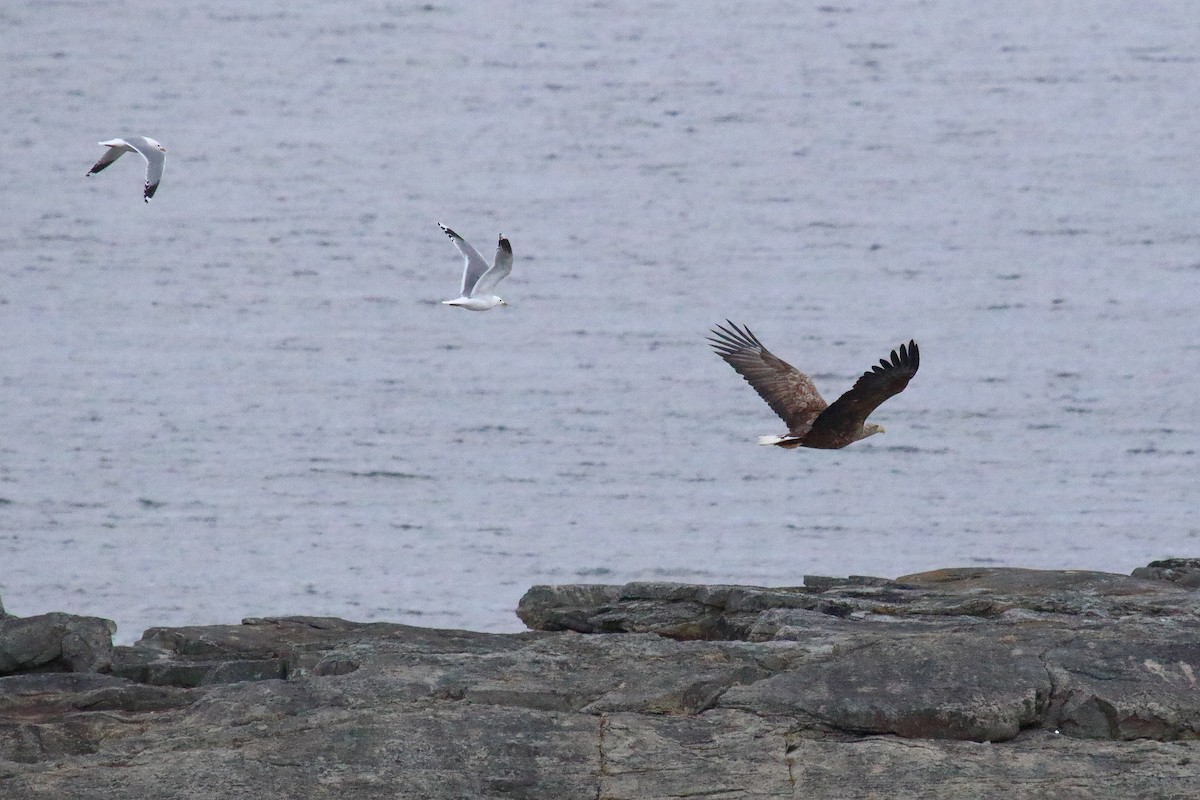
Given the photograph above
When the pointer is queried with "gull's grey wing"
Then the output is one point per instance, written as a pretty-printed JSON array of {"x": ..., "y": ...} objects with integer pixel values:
[
  {"x": 116, "y": 149},
  {"x": 474, "y": 267},
  {"x": 499, "y": 271},
  {"x": 156, "y": 159},
  {"x": 789, "y": 392}
]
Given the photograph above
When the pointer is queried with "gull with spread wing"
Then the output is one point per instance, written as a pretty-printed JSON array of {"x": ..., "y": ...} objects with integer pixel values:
[
  {"x": 479, "y": 280},
  {"x": 154, "y": 153}
]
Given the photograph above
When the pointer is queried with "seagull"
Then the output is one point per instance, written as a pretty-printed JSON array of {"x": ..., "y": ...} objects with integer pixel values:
[
  {"x": 154, "y": 153},
  {"x": 479, "y": 280},
  {"x": 792, "y": 395}
]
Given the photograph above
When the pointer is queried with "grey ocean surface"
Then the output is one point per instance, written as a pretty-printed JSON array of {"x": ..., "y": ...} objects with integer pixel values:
[{"x": 245, "y": 398}]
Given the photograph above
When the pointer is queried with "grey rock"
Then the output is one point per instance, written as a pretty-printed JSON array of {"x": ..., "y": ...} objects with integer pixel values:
[
  {"x": 70, "y": 713},
  {"x": 956, "y": 683},
  {"x": 1183, "y": 571},
  {"x": 55, "y": 642},
  {"x": 822, "y": 582},
  {"x": 1134, "y": 681},
  {"x": 923, "y": 686}
]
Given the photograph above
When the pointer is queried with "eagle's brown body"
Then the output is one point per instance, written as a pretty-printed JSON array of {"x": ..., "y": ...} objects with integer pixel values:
[{"x": 794, "y": 397}]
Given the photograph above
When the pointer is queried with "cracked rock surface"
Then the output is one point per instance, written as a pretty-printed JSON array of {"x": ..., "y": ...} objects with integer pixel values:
[{"x": 949, "y": 684}]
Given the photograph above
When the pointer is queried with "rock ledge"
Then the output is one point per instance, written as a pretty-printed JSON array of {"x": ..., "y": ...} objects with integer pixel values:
[{"x": 947, "y": 684}]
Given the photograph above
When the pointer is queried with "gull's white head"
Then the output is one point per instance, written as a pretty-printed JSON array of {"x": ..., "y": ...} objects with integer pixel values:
[
  {"x": 500, "y": 301},
  {"x": 156, "y": 144}
]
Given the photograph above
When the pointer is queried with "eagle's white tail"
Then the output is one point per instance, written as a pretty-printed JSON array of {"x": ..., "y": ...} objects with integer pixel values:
[{"x": 769, "y": 440}]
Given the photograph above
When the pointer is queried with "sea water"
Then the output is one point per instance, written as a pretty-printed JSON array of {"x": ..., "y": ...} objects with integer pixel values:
[{"x": 245, "y": 398}]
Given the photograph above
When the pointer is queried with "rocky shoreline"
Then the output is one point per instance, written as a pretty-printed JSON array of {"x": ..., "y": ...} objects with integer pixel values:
[{"x": 947, "y": 684}]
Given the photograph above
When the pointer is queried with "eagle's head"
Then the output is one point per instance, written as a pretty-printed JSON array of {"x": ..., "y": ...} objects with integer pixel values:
[{"x": 871, "y": 429}]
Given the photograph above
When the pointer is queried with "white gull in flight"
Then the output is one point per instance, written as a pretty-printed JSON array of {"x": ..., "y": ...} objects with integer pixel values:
[
  {"x": 479, "y": 280},
  {"x": 154, "y": 153}
]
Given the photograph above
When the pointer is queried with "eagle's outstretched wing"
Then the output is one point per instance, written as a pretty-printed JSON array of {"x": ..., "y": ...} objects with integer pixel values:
[
  {"x": 849, "y": 411},
  {"x": 789, "y": 392}
]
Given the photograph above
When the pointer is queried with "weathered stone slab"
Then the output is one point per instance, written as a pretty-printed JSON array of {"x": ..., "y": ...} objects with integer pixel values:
[
  {"x": 931, "y": 686},
  {"x": 1130, "y": 683},
  {"x": 951, "y": 596},
  {"x": 1033, "y": 766},
  {"x": 950, "y": 684},
  {"x": 1183, "y": 571},
  {"x": 55, "y": 642}
]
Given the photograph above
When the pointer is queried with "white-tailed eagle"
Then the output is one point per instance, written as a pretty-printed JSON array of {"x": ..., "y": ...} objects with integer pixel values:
[{"x": 792, "y": 395}]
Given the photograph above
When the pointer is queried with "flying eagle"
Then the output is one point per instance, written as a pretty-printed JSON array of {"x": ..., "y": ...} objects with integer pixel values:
[{"x": 792, "y": 395}]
